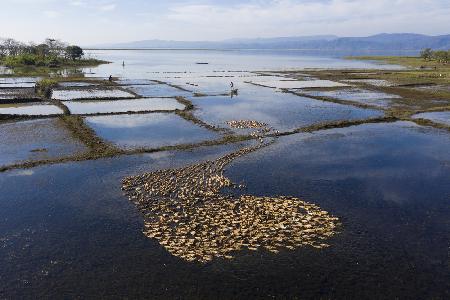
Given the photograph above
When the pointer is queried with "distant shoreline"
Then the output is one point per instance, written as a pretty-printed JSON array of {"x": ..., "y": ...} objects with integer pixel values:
[{"x": 246, "y": 49}]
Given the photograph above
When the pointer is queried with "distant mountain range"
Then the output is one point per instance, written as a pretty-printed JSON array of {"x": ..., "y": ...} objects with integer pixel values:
[{"x": 398, "y": 41}]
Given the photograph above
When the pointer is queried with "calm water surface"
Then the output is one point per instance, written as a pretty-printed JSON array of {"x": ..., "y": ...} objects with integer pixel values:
[
  {"x": 67, "y": 230},
  {"x": 69, "y": 225},
  {"x": 142, "y": 64},
  {"x": 148, "y": 130}
]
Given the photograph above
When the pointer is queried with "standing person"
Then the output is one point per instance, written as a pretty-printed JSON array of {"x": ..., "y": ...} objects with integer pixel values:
[{"x": 123, "y": 63}]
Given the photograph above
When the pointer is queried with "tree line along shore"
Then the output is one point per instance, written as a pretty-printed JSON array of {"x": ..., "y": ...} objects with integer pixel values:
[{"x": 50, "y": 54}]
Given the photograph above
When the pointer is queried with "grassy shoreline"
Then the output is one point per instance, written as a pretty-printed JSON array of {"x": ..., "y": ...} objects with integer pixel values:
[
  {"x": 417, "y": 69},
  {"x": 406, "y": 61}
]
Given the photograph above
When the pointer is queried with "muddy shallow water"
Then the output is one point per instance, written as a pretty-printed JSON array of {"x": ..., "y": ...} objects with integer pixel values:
[
  {"x": 36, "y": 140},
  {"x": 389, "y": 184}
]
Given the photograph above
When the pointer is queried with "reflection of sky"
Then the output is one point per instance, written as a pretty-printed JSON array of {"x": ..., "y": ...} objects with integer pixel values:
[
  {"x": 89, "y": 94},
  {"x": 280, "y": 110},
  {"x": 439, "y": 117},
  {"x": 137, "y": 105},
  {"x": 357, "y": 95},
  {"x": 149, "y": 130},
  {"x": 394, "y": 162},
  {"x": 157, "y": 90},
  {"x": 32, "y": 110},
  {"x": 129, "y": 121},
  {"x": 142, "y": 64},
  {"x": 19, "y": 139}
]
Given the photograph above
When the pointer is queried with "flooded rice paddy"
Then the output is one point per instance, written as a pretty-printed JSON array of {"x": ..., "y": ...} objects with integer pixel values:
[
  {"x": 80, "y": 94},
  {"x": 356, "y": 95},
  {"x": 281, "y": 111},
  {"x": 36, "y": 109},
  {"x": 36, "y": 140},
  {"x": 296, "y": 84},
  {"x": 123, "y": 106},
  {"x": 259, "y": 193},
  {"x": 157, "y": 90},
  {"x": 17, "y": 85},
  {"x": 374, "y": 82},
  {"x": 12, "y": 94},
  {"x": 148, "y": 130},
  {"x": 442, "y": 117},
  {"x": 70, "y": 84}
]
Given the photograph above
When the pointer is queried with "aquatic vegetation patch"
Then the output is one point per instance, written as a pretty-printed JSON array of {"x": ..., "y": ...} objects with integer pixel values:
[
  {"x": 186, "y": 212},
  {"x": 374, "y": 82},
  {"x": 69, "y": 84}
]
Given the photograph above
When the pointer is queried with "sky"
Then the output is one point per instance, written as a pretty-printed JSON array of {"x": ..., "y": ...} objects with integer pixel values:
[{"x": 89, "y": 22}]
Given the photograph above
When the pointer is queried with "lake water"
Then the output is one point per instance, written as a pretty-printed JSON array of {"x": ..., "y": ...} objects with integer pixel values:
[
  {"x": 68, "y": 231},
  {"x": 142, "y": 63}
]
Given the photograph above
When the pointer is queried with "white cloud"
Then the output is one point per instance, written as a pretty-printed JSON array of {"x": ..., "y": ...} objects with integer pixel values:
[
  {"x": 52, "y": 14},
  {"x": 108, "y": 7},
  {"x": 217, "y": 19},
  {"x": 288, "y": 17},
  {"x": 78, "y": 3}
]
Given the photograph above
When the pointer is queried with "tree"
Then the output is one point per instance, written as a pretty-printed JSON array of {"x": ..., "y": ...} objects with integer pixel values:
[
  {"x": 74, "y": 52},
  {"x": 2, "y": 50},
  {"x": 42, "y": 50},
  {"x": 426, "y": 54},
  {"x": 12, "y": 47}
]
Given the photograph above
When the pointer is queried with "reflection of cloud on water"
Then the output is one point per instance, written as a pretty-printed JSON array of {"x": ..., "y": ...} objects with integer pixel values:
[
  {"x": 22, "y": 173},
  {"x": 126, "y": 121},
  {"x": 391, "y": 161},
  {"x": 135, "y": 105}
]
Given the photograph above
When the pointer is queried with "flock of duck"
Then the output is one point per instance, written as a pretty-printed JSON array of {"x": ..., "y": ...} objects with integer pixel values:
[
  {"x": 244, "y": 124},
  {"x": 261, "y": 129},
  {"x": 186, "y": 212}
]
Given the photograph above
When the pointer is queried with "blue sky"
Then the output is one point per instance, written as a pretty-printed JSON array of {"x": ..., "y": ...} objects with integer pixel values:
[{"x": 89, "y": 22}]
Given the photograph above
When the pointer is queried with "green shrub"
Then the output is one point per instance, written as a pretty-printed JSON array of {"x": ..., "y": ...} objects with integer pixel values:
[{"x": 44, "y": 87}]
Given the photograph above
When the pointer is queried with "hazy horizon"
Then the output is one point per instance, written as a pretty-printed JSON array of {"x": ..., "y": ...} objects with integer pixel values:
[{"x": 88, "y": 22}]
